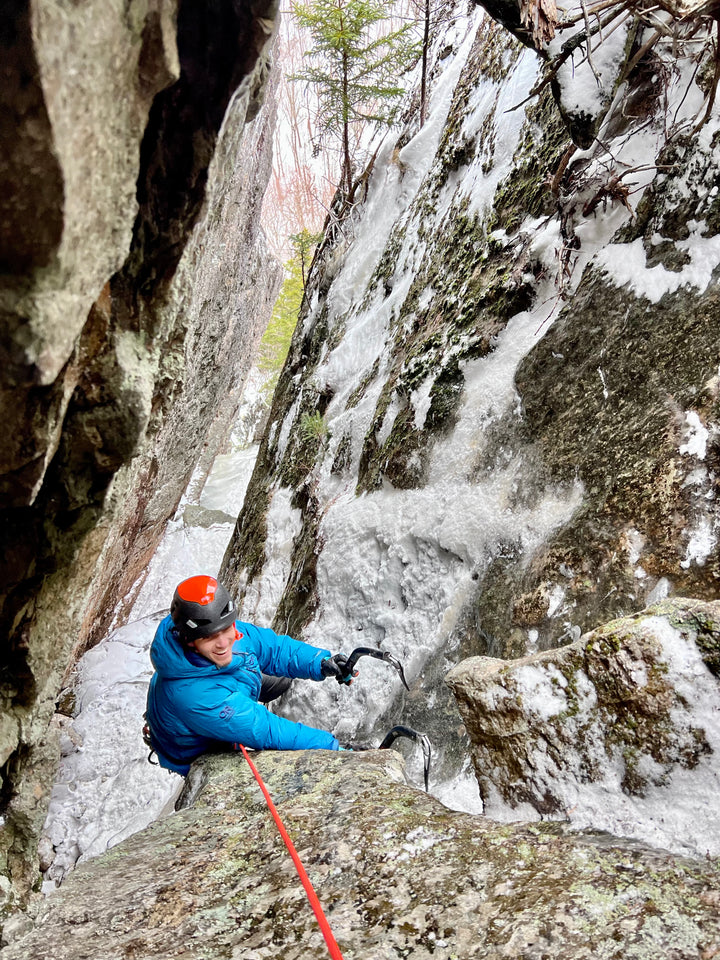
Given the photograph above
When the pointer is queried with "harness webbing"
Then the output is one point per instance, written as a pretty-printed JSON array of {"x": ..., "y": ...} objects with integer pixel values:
[{"x": 304, "y": 879}]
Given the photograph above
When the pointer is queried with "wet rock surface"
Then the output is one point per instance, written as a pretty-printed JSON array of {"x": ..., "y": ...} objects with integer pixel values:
[{"x": 398, "y": 875}]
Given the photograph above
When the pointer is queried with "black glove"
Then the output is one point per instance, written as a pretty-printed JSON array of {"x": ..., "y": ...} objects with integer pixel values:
[{"x": 337, "y": 667}]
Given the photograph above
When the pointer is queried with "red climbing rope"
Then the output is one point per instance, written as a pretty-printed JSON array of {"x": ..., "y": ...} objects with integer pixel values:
[{"x": 304, "y": 879}]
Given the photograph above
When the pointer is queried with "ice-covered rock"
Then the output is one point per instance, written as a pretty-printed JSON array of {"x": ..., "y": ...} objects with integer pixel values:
[{"x": 618, "y": 731}]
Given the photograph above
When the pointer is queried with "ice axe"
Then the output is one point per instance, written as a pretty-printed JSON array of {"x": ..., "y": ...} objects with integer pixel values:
[
  {"x": 392, "y": 736},
  {"x": 349, "y": 666},
  {"x": 417, "y": 738}
]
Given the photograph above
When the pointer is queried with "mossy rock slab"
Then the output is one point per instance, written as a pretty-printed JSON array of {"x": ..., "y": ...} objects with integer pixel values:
[{"x": 399, "y": 875}]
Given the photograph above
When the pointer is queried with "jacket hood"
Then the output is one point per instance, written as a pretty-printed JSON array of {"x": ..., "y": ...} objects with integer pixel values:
[{"x": 172, "y": 661}]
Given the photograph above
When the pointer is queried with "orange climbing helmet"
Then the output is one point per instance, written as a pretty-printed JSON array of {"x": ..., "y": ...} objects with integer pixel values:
[{"x": 200, "y": 607}]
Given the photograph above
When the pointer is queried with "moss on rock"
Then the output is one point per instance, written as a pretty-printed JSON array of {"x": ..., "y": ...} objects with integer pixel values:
[
  {"x": 526, "y": 191},
  {"x": 398, "y": 875}
]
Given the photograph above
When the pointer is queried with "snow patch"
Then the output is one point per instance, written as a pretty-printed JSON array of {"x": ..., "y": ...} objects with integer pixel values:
[
  {"x": 584, "y": 85},
  {"x": 701, "y": 544},
  {"x": 541, "y": 690},
  {"x": 697, "y": 437},
  {"x": 420, "y": 400},
  {"x": 626, "y": 263}
]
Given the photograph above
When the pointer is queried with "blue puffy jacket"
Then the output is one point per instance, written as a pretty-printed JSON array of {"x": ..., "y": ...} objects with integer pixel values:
[{"x": 195, "y": 706}]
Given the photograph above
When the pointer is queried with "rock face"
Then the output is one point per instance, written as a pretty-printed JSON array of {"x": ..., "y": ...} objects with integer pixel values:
[
  {"x": 123, "y": 123},
  {"x": 620, "y": 725},
  {"x": 397, "y": 873},
  {"x": 498, "y": 425}
]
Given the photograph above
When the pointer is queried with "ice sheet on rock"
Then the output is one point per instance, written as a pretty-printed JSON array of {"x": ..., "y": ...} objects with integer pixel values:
[
  {"x": 393, "y": 186},
  {"x": 497, "y": 102},
  {"x": 105, "y": 789},
  {"x": 225, "y": 487},
  {"x": 262, "y": 595},
  {"x": 462, "y": 793},
  {"x": 182, "y": 553},
  {"x": 389, "y": 574}
]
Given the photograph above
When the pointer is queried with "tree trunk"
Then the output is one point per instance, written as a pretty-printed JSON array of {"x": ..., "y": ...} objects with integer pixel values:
[
  {"x": 347, "y": 166},
  {"x": 423, "y": 75}
]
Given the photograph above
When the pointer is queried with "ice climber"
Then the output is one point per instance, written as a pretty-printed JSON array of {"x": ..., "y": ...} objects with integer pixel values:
[{"x": 210, "y": 680}]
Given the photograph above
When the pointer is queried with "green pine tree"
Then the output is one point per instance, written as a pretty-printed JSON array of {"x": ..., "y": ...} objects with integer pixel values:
[
  {"x": 303, "y": 245},
  {"x": 354, "y": 66}
]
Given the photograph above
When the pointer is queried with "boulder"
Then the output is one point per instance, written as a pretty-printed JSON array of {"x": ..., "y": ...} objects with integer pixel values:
[{"x": 618, "y": 730}]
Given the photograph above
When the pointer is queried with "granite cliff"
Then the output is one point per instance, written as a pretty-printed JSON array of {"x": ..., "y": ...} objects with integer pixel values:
[
  {"x": 398, "y": 874},
  {"x": 134, "y": 287},
  {"x": 497, "y": 427}
]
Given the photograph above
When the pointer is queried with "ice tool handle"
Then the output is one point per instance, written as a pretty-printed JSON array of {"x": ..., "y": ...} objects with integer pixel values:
[{"x": 349, "y": 669}]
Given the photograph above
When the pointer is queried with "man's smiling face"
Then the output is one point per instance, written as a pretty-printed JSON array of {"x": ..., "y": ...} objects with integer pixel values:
[{"x": 217, "y": 647}]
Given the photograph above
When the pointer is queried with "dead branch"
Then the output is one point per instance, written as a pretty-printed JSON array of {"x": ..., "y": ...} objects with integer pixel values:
[
  {"x": 645, "y": 48},
  {"x": 540, "y": 17},
  {"x": 589, "y": 45},
  {"x": 592, "y": 11},
  {"x": 713, "y": 84},
  {"x": 568, "y": 49},
  {"x": 554, "y": 181},
  {"x": 612, "y": 191}
]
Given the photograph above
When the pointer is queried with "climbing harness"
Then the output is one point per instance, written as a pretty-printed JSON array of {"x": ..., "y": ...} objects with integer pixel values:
[
  {"x": 420, "y": 738},
  {"x": 150, "y": 744},
  {"x": 349, "y": 666},
  {"x": 304, "y": 879}
]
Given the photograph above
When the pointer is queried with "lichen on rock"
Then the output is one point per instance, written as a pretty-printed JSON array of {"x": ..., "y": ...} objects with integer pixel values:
[
  {"x": 124, "y": 124},
  {"x": 397, "y": 874}
]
